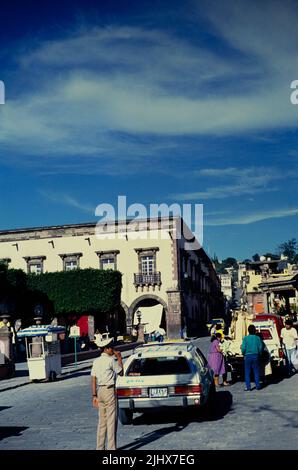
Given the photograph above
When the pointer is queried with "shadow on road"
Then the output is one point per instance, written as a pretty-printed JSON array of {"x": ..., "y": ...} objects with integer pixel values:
[
  {"x": 4, "y": 407},
  {"x": 8, "y": 431},
  {"x": 220, "y": 407},
  {"x": 152, "y": 436},
  {"x": 72, "y": 375},
  {"x": 22, "y": 373}
]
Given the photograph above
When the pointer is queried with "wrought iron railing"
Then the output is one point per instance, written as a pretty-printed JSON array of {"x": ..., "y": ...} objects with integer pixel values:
[{"x": 147, "y": 279}]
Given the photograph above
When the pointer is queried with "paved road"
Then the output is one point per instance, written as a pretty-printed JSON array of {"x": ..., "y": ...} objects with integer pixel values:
[{"x": 59, "y": 416}]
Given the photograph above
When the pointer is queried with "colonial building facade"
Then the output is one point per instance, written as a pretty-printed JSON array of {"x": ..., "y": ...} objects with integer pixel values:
[
  {"x": 269, "y": 286},
  {"x": 158, "y": 271}
]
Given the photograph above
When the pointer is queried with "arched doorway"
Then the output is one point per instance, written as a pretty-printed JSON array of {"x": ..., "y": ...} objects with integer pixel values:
[
  {"x": 121, "y": 318},
  {"x": 152, "y": 315}
]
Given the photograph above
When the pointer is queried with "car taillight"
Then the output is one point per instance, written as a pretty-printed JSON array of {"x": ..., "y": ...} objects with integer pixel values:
[
  {"x": 188, "y": 389},
  {"x": 129, "y": 392},
  {"x": 281, "y": 353}
]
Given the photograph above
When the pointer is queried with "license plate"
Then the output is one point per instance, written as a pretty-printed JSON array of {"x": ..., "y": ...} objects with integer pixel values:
[{"x": 158, "y": 392}]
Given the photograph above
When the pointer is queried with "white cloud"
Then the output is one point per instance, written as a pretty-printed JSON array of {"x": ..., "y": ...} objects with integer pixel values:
[
  {"x": 95, "y": 86},
  {"x": 243, "y": 181},
  {"x": 66, "y": 199},
  {"x": 246, "y": 219}
]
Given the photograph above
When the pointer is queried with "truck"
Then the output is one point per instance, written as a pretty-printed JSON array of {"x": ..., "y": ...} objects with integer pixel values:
[{"x": 269, "y": 328}]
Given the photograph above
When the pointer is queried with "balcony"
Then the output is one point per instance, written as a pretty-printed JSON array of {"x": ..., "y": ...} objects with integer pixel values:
[{"x": 141, "y": 280}]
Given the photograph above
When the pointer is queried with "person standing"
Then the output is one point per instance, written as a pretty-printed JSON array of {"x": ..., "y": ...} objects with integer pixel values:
[
  {"x": 216, "y": 360},
  {"x": 159, "y": 334},
  {"x": 252, "y": 349},
  {"x": 103, "y": 380},
  {"x": 289, "y": 338}
]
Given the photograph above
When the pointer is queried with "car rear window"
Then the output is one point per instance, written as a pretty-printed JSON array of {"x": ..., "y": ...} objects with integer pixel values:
[
  {"x": 266, "y": 334},
  {"x": 159, "y": 366}
]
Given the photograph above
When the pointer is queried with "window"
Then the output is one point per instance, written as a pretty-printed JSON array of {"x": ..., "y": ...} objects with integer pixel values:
[
  {"x": 70, "y": 265},
  {"x": 201, "y": 358},
  {"x": 108, "y": 263},
  {"x": 107, "y": 259},
  {"x": 71, "y": 261},
  {"x": 35, "y": 268},
  {"x": 266, "y": 334},
  {"x": 159, "y": 366},
  {"x": 34, "y": 264},
  {"x": 147, "y": 264},
  {"x": 147, "y": 274}
]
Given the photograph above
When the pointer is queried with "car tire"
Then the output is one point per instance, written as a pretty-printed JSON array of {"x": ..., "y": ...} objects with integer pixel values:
[{"x": 125, "y": 416}]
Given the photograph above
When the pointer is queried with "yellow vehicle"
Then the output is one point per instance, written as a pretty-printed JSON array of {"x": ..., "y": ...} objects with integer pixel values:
[{"x": 214, "y": 322}]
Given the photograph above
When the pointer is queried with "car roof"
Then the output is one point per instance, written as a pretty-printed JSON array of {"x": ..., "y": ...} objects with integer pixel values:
[{"x": 162, "y": 349}]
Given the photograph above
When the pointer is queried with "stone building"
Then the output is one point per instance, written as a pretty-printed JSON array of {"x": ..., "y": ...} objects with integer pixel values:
[{"x": 161, "y": 278}]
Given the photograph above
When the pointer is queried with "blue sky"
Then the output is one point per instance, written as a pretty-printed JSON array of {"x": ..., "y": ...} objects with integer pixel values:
[{"x": 161, "y": 101}]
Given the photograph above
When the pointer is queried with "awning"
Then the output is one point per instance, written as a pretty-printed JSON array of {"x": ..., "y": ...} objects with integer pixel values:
[
  {"x": 40, "y": 330},
  {"x": 151, "y": 318}
]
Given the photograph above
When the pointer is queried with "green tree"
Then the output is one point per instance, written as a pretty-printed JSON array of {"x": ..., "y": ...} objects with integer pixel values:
[
  {"x": 256, "y": 257},
  {"x": 289, "y": 249}
]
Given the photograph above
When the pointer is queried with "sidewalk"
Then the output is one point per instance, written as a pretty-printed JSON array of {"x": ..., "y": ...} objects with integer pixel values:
[{"x": 22, "y": 372}]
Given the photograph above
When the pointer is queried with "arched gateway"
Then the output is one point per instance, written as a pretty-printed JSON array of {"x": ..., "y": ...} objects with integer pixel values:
[{"x": 148, "y": 301}]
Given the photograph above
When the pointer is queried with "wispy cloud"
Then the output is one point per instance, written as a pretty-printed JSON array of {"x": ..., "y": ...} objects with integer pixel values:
[
  {"x": 66, "y": 199},
  {"x": 246, "y": 219},
  {"x": 243, "y": 181},
  {"x": 95, "y": 88}
]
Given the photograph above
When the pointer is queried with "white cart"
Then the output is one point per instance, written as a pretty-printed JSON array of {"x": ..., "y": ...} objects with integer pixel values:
[{"x": 43, "y": 351}]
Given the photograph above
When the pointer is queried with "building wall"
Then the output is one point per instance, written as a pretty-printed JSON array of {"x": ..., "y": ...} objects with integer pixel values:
[{"x": 192, "y": 301}]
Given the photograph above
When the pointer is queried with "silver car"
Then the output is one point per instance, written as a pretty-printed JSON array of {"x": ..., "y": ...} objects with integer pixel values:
[{"x": 161, "y": 375}]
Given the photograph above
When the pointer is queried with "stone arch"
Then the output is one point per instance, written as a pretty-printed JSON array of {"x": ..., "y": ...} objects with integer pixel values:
[
  {"x": 142, "y": 299},
  {"x": 122, "y": 315}
]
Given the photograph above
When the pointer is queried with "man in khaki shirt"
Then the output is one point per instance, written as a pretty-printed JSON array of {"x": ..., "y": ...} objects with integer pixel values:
[{"x": 103, "y": 379}]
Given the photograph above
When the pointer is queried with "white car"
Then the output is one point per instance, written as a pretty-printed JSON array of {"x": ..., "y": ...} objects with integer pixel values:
[{"x": 164, "y": 375}]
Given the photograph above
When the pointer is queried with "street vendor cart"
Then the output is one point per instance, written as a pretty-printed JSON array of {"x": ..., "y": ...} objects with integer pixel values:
[{"x": 43, "y": 351}]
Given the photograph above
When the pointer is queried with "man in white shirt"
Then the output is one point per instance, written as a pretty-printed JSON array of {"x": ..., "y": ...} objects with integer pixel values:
[
  {"x": 289, "y": 338},
  {"x": 103, "y": 379}
]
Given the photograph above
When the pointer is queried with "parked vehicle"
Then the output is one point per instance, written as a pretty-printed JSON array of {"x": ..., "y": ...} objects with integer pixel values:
[
  {"x": 159, "y": 375},
  {"x": 214, "y": 322},
  {"x": 269, "y": 326},
  {"x": 270, "y": 332}
]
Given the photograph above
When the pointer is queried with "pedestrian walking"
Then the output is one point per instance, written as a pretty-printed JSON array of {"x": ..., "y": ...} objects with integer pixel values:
[
  {"x": 289, "y": 338},
  {"x": 252, "y": 349},
  {"x": 103, "y": 379},
  {"x": 216, "y": 360},
  {"x": 159, "y": 334}
]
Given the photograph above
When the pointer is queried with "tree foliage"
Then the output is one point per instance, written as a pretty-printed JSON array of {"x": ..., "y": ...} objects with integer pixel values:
[
  {"x": 79, "y": 291},
  {"x": 289, "y": 249},
  {"x": 221, "y": 266}
]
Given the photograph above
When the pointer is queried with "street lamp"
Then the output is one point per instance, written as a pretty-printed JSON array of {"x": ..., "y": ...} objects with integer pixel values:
[
  {"x": 139, "y": 316},
  {"x": 38, "y": 311}
]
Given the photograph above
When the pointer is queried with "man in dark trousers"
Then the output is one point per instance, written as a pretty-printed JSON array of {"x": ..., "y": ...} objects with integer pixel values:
[
  {"x": 103, "y": 379},
  {"x": 252, "y": 349}
]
